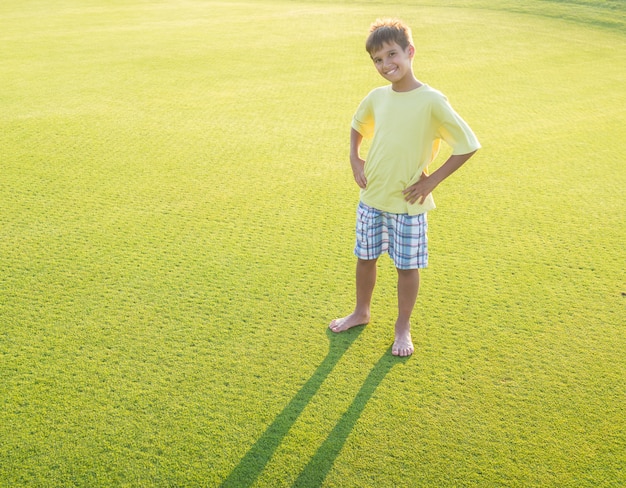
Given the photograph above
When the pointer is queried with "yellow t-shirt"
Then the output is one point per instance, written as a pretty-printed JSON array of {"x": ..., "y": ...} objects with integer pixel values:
[{"x": 406, "y": 129}]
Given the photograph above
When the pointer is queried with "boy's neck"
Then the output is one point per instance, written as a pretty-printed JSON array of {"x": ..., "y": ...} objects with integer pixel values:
[{"x": 408, "y": 83}]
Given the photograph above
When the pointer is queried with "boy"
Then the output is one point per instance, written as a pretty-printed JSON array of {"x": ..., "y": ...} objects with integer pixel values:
[{"x": 406, "y": 121}]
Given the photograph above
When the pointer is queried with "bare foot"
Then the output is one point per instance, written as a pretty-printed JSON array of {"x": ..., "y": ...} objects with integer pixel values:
[
  {"x": 403, "y": 345},
  {"x": 345, "y": 323}
]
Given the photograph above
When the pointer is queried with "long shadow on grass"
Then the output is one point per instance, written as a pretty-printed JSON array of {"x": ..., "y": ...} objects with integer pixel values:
[
  {"x": 320, "y": 464},
  {"x": 249, "y": 468}
]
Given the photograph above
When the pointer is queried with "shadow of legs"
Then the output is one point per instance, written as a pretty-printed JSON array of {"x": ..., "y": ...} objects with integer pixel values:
[
  {"x": 249, "y": 468},
  {"x": 318, "y": 467}
]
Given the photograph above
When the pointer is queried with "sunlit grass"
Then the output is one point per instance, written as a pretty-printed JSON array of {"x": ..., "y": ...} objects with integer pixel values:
[{"x": 176, "y": 226}]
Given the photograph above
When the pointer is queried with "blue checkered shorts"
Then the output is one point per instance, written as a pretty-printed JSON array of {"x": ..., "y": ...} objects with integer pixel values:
[{"x": 402, "y": 236}]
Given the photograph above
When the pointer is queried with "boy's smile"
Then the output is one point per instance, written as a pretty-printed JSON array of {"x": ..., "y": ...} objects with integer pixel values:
[{"x": 394, "y": 64}]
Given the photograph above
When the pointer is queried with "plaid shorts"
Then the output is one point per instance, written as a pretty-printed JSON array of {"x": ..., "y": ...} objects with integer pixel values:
[{"x": 402, "y": 236}]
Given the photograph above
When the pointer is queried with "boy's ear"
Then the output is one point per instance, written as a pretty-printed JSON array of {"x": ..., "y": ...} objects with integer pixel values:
[{"x": 411, "y": 49}]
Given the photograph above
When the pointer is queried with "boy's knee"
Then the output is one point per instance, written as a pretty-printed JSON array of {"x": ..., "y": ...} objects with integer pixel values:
[{"x": 408, "y": 272}]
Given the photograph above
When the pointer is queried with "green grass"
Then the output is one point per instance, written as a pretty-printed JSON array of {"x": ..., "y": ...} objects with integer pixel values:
[{"x": 176, "y": 227}]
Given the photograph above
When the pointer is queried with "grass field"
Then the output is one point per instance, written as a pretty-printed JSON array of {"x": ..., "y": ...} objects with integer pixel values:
[{"x": 176, "y": 232}]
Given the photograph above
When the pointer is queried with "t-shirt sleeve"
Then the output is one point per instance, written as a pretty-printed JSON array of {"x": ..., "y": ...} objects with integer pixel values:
[
  {"x": 453, "y": 129},
  {"x": 363, "y": 120}
]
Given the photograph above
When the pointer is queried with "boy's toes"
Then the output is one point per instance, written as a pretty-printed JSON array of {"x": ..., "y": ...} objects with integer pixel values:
[{"x": 402, "y": 350}]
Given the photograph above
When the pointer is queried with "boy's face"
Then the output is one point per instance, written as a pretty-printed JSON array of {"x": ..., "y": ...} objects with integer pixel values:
[{"x": 394, "y": 63}]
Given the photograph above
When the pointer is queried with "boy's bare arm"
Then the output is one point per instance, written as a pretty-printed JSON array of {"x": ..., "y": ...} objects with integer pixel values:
[
  {"x": 358, "y": 164},
  {"x": 427, "y": 183}
]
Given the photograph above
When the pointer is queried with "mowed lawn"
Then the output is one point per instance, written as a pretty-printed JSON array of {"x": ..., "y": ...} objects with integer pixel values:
[{"x": 176, "y": 232}]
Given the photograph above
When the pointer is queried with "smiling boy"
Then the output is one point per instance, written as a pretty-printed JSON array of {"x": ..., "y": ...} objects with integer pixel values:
[{"x": 406, "y": 121}]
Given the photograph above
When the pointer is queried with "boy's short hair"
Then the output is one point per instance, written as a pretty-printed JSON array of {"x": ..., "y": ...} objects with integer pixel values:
[{"x": 388, "y": 31}]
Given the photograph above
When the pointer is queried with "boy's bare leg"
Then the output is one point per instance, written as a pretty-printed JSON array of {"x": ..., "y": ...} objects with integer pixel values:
[
  {"x": 408, "y": 286},
  {"x": 365, "y": 281}
]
